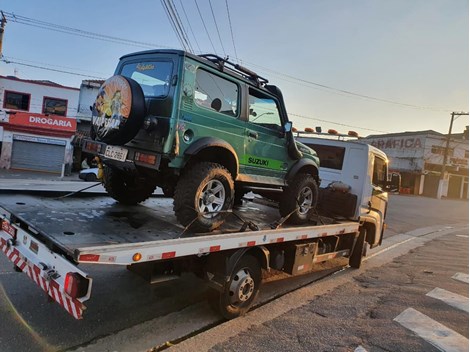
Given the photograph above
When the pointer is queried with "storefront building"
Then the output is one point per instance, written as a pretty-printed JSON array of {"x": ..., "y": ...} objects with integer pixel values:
[
  {"x": 88, "y": 92},
  {"x": 418, "y": 157},
  {"x": 35, "y": 125}
]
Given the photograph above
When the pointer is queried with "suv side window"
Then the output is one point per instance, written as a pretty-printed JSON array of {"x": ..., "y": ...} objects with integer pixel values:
[
  {"x": 264, "y": 111},
  {"x": 216, "y": 93},
  {"x": 379, "y": 177}
]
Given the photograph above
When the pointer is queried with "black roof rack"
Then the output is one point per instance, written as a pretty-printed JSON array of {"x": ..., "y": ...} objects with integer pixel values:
[{"x": 236, "y": 68}]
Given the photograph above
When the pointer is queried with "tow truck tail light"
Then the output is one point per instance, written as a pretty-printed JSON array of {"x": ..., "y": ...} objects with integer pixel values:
[
  {"x": 8, "y": 228},
  {"x": 145, "y": 158},
  {"x": 91, "y": 146},
  {"x": 76, "y": 286}
]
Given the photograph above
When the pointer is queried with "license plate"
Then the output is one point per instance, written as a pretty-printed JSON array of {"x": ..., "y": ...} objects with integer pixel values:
[{"x": 115, "y": 153}]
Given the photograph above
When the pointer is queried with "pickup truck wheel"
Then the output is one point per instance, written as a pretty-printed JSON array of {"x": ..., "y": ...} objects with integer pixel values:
[
  {"x": 359, "y": 250},
  {"x": 127, "y": 188},
  {"x": 299, "y": 199},
  {"x": 119, "y": 110},
  {"x": 203, "y": 195},
  {"x": 242, "y": 288},
  {"x": 90, "y": 177}
]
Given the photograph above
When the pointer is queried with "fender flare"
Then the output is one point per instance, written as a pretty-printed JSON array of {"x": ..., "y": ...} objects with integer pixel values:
[
  {"x": 298, "y": 165},
  {"x": 210, "y": 142},
  {"x": 259, "y": 252},
  {"x": 369, "y": 223},
  {"x": 221, "y": 264}
]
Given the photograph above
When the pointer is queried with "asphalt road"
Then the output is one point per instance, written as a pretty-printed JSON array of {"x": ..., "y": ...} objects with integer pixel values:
[
  {"x": 122, "y": 300},
  {"x": 365, "y": 310}
]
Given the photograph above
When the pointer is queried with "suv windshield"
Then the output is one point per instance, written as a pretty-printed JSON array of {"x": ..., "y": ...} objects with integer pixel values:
[{"x": 153, "y": 76}]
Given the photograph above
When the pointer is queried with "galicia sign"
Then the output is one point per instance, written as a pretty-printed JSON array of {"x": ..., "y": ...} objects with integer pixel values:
[{"x": 50, "y": 122}]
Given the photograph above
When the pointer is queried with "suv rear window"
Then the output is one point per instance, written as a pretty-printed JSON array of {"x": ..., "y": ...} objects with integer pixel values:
[
  {"x": 153, "y": 76},
  {"x": 330, "y": 156}
]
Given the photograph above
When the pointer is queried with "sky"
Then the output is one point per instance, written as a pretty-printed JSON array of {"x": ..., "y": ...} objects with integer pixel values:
[{"x": 372, "y": 66}]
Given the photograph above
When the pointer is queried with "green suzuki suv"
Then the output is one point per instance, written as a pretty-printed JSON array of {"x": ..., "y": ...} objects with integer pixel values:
[{"x": 203, "y": 129}]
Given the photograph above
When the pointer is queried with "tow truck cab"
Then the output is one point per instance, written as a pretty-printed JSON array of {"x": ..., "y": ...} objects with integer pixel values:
[{"x": 353, "y": 182}]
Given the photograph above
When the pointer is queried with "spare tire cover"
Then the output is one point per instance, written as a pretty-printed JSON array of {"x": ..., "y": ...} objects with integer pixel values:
[{"x": 118, "y": 111}]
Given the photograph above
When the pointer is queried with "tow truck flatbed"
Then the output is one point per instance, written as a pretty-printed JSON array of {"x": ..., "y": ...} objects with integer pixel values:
[
  {"x": 86, "y": 227},
  {"x": 47, "y": 237}
]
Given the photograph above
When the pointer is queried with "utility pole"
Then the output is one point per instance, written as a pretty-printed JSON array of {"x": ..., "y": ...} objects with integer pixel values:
[
  {"x": 446, "y": 152},
  {"x": 2, "y": 30}
]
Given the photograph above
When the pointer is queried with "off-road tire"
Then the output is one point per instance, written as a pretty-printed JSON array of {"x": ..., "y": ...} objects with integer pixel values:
[
  {"x": 224, "y": 301},
  {"x": 291, "y": 199},
  {"x": 127, "y": 188},
  {"x": 189, "y": 187}
]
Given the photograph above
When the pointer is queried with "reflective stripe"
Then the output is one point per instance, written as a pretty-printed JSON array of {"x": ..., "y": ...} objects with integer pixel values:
[{"x": 51, "y": 287}]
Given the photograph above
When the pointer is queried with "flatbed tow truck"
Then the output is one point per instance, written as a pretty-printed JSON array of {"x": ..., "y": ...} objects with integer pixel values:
[{"x": 49, "y": 238}]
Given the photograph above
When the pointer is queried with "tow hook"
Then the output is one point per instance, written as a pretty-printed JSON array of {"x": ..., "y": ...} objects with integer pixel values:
[{"x": 52, "y": 275}]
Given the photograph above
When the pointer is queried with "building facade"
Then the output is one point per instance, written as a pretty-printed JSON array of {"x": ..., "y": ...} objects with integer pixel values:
[
  {"x": 418, "y": 157},
  {"x": 37, "y": 123},
  {"x": 88, "y": 92}
]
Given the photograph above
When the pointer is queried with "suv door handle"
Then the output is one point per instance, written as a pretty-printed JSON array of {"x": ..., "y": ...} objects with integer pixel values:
[{"x": 253, "y": 134}]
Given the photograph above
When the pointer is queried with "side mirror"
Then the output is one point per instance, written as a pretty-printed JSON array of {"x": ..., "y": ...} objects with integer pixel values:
[{"x": 288, "y": 127}]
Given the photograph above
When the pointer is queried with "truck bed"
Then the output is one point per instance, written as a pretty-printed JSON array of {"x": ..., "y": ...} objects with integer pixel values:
[
  {"x": 46, "y": 237},
  {"x": 82, "y": 222},
  {"x": 98, "y": 229}
]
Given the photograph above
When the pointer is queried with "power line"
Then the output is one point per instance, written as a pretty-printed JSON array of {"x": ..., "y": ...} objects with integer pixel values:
[
  {"x": 78, "y": 32},
  {"x": 350, "y": 92},
  {"x": 231, "y": 30},
  {"x": 175, "y": 18},
  {"x": 204, "y": 24},
  {"x": 190, "y": 27},
  {"x": 336, "y": 123},
  {"x": 68, "y": 30},
  {"x": 178, "y": 34},
  {"x": 10, "y": 58},
  {"x": 50, "y": 69},
  {"x": 180, "y": 24},
  {"x": 217, "y": 28}
]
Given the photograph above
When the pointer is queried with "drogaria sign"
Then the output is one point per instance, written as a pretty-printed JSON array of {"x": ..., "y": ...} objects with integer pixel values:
[{"x": 50, "y": 122}]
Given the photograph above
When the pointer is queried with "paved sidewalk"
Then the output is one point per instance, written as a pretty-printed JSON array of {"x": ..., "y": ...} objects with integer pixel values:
[
  {"x": 33, "y": 182},
  {"x": 31, "y": 175},
  {"x": 368, "y": 311}
]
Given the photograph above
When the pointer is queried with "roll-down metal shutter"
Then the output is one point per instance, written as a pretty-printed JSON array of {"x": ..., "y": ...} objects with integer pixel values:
[{"x": 37, "y": 156}]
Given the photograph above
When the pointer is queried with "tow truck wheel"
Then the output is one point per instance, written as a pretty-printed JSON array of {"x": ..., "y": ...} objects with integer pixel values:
[
  {"x": 203, "y": 196},
  {"x": 242, "y": 288},
  {"x": 359, "y": 250},
  {"x": 299, "y": 199},
  {"x": 127, "y": 188}
]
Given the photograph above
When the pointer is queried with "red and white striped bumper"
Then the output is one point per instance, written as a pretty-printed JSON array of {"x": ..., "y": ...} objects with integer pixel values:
[{"x": 37, "y": 267}]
